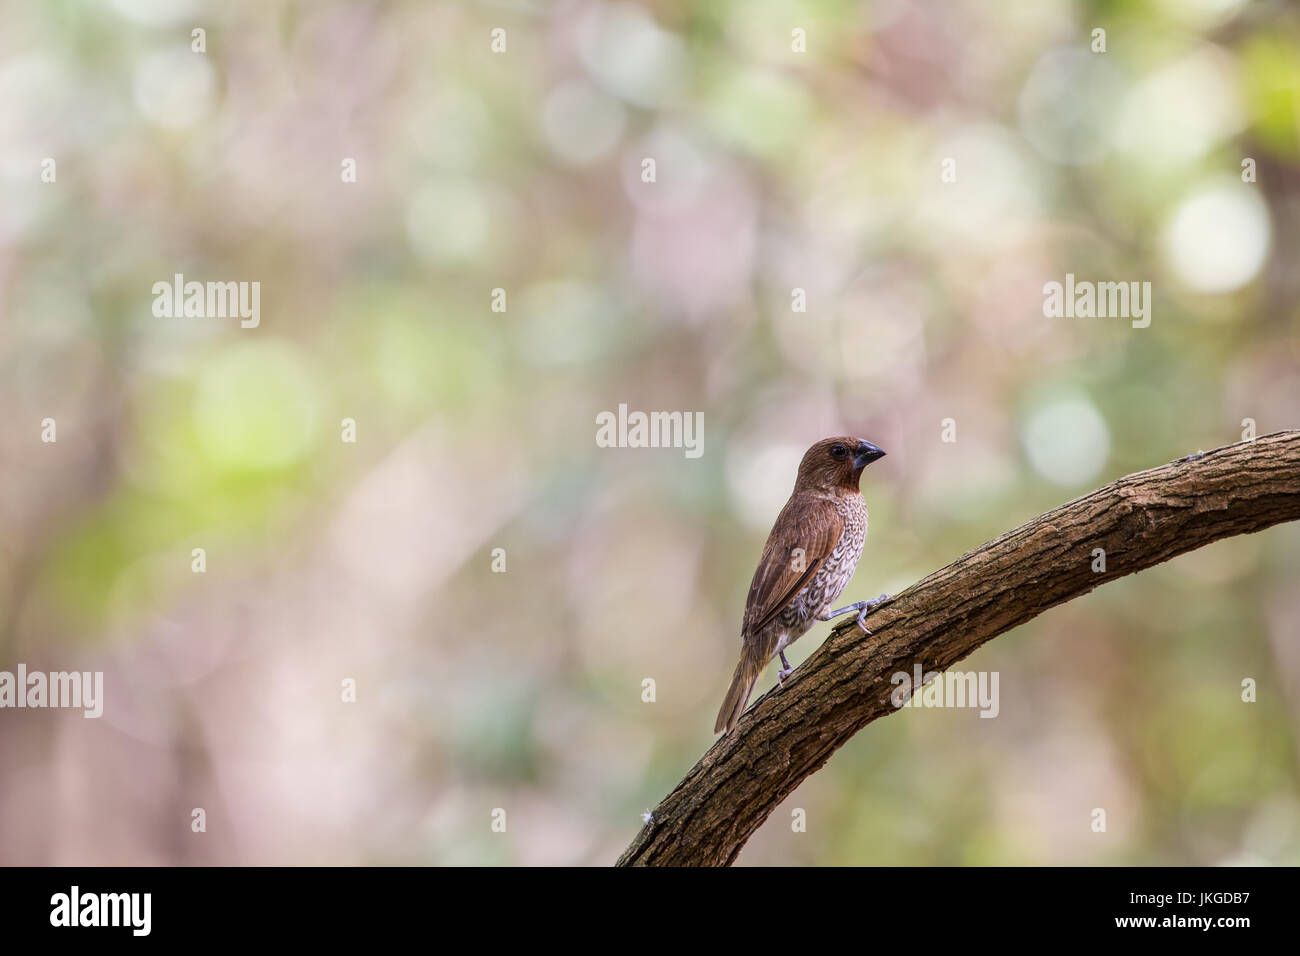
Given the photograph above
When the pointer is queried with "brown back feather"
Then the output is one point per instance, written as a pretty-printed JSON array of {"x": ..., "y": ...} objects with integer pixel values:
[{"x": 808, "y": 521}]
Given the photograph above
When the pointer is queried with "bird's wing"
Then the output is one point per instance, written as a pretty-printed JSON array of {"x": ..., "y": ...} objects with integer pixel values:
[{"x": 809, "y": 522}]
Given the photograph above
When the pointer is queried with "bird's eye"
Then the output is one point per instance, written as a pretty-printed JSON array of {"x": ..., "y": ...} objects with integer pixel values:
[{"x": 838, "y": 451}]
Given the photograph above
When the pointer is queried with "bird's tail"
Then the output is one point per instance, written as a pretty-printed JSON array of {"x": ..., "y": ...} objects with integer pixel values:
[{"x": 742, "y": 685}]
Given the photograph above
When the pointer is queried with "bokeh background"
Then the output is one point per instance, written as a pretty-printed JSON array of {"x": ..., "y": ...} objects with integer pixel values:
[{"x": 776, "y": 170}]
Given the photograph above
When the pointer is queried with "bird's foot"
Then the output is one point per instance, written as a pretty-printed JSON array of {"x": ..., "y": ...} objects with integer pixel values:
[
  {"x": 786, "y": 669},
  {"x": 862, "y": 607}
]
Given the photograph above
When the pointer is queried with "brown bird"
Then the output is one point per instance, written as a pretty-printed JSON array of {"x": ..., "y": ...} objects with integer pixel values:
[{"x": 809, "y": 557}]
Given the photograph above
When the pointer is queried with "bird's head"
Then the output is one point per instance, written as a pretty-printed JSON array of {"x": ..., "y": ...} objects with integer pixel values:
[{"x": 835, "y": 464}]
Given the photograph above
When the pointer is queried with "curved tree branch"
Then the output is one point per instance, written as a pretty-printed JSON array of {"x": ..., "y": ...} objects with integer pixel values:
[{"x": 1140, "y": 520}]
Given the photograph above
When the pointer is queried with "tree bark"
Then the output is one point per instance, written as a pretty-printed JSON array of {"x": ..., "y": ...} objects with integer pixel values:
[{"x": 1140, "y": 520}]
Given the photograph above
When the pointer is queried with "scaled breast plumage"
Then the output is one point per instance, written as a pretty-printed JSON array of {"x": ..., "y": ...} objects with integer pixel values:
[{"x": 836, "y": 570}]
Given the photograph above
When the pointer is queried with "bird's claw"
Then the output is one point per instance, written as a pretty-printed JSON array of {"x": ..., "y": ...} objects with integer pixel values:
[
  {"x": 864, "y": 608},
  {"x": 785, "y": 671}
]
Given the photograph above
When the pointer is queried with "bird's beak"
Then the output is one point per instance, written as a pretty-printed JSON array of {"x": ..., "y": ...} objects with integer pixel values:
[{"x": 866, "y": 454}]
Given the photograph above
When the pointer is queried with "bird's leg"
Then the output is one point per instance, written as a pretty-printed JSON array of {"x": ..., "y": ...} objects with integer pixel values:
[
  {"x": 782, "y": 674},
  {"x": 862, "y": 607}
]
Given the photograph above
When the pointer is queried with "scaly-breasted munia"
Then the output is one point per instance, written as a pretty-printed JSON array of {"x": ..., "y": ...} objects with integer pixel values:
[{"x": 809, "y": 557}]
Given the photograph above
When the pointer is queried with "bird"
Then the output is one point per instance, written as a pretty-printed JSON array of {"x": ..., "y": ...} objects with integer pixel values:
[{"x": 807, "y": 562}]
